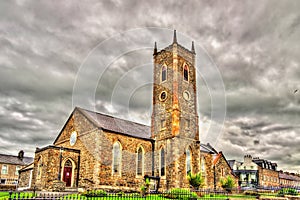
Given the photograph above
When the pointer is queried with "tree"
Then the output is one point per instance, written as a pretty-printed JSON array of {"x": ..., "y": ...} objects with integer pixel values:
[
  {"x": 195, "y": 180},
  {"x": 227, "y": 183}
]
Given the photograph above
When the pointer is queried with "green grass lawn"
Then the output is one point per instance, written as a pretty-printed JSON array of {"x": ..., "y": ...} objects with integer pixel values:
[
  {"x": 5, "y": 195},
  {"x": 2, "y": 194}
]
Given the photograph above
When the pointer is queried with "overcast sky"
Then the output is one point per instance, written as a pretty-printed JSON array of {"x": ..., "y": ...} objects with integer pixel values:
[{"x": 55, "y": 55}]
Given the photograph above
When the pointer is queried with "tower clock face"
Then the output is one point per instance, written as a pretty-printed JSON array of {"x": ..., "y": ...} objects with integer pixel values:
[
  {"x": 163, "y": 96},
  {"x": 186, "y": 95},
  {"x": 73, "y": 138}
]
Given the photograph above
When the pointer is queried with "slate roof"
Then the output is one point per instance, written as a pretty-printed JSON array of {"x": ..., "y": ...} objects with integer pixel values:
[
  {"x": 125, "y": 127},
  {"x": 288, "y": 176},
  {"x": 117, "y": 125},
  {"x": 208, "y": 148},
  {"x": 231, "y": 163},
  {"x": 27, "y": 167},
  {"x": 14, "y": 160}
]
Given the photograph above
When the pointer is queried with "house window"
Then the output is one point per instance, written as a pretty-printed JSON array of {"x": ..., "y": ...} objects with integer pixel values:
[
  {"x": 162, "y": 162},
  {"x": 186, "y": 73},
  {"x": 140, "y": 161},
  {"x": 164, "y": 73},
  {"x": 188, "y": 161},
  {"x": 4, "y": 169},
  {"x": 2, "y": 181},
  {"x": 163, "y": 124},
  {"x": 117, "y": 151},
  {"x": 17, "y": 170}
]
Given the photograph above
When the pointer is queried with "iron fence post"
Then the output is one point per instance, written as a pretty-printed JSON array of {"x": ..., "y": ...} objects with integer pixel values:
[{"x": 10, "y": 193}]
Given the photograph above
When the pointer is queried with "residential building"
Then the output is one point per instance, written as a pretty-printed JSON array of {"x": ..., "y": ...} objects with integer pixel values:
[{"x": 10, "y": 166}]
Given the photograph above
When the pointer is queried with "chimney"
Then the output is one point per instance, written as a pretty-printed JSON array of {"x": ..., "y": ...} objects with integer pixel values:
[
  {"x": 247, "y": 159},
  {"x": 21, "y": 155}
]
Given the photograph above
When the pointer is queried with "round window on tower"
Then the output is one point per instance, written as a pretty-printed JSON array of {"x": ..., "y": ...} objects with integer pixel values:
[
  {"x": 163, "y": 96},
  {"x": 186, "y": 95}
]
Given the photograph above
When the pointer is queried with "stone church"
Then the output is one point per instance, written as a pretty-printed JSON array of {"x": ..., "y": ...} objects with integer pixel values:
[{"x": 95, "y": 150}]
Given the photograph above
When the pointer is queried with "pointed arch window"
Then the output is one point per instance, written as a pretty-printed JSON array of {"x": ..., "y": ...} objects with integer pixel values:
[
  {"x": 68, "y": 163},
  {"x": 117, "y": 156},
  {"x": 140, "y": 161},
  {"x": 164, "y": 73},
  {"x": 162, "y": 162},
  {"x": 203, "y": 171},
  {"x": 188, "y": 161},
  {"x": 186, "y": 72}
]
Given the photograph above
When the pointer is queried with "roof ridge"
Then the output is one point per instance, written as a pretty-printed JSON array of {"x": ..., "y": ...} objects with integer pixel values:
[
  {"x": 107, "y": 115},
  {"x": 2, "y": 154}
]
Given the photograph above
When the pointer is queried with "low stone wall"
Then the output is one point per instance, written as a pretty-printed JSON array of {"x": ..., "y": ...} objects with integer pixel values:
[
  {"x": 59, "y": 186},
  {"x": 273, "y": 198},
  {"x": 286, "y": 197},
  {"x": 292, "y": 197}
]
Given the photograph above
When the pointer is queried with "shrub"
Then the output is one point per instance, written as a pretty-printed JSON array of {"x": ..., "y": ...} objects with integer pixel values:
[
  {"x": 227, "y": 183},
  {"x": 94, "y": 193},
  {"x": 178, "y": 193},
  {"x": 133, "y": 195},
  {"x": 195, "y": 180},
  {"x": 145, "y": 187},
  {"x": 251, "y": 193},
  {"x": 288, "y": 191}
]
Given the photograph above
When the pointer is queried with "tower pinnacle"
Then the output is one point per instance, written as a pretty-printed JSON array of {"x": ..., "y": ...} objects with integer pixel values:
[
  {"x": 193, "y": 48},
  {"x": 174, "y": 37},
  {"x": 155, "y": 49}
]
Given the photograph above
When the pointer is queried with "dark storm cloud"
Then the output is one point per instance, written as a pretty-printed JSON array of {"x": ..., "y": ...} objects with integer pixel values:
[{"x": 253, "y": 43}]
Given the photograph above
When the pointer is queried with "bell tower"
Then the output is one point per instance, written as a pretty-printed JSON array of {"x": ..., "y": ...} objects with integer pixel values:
[{"x": 174, "y": 121}]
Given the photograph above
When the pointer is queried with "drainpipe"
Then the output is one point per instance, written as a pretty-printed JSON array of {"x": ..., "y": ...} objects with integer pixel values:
[
  {"x": 215, "y": 185},
  {"x": 60, "y": 160},
  {"x": 78, "y": 168},
  {"x": 153, "y": 148}
]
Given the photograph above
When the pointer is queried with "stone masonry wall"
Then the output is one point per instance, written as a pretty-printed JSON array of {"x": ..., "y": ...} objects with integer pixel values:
[
  {"x": 49, "y": 167},
  {"x": 88, "y": 142},
  {"x": 24, "y": 179},
  {"x": 222, "y": 170},
  {"x": 208, "y": 173},
  {"x": 128, "y": 178},
  {"x": 175, "y": 161}
]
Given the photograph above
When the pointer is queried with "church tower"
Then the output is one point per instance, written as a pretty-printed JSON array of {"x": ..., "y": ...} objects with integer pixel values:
[{"x": 174, "y": 121}]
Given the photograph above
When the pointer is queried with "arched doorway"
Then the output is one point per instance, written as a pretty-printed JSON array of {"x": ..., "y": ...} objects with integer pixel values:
[{"x": 67, "y": 173}]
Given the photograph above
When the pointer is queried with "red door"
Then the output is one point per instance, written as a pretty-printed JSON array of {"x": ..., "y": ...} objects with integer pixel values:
[{"x": 67, "y": 176}]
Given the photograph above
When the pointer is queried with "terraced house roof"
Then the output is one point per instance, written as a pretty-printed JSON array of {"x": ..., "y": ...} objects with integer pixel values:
[{"x": 15, "y": 160}]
